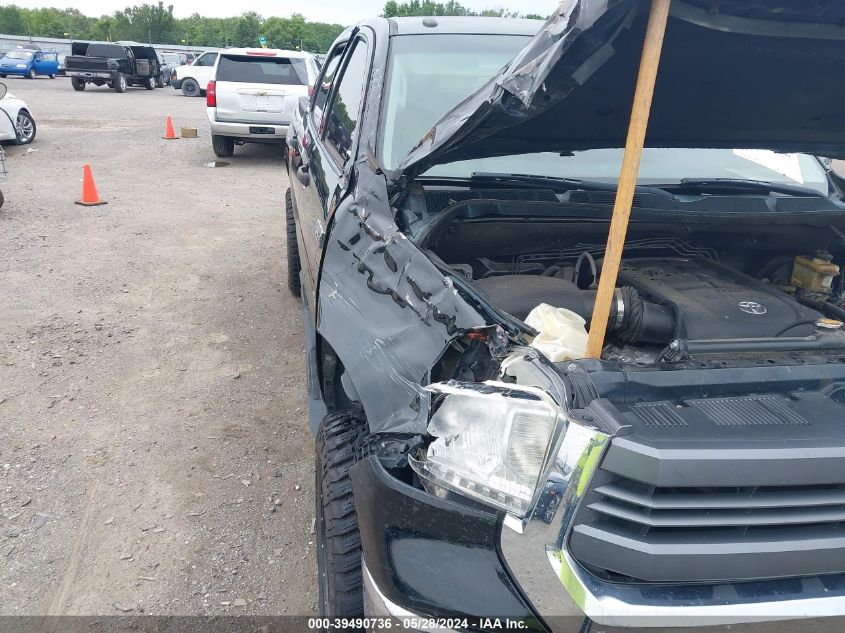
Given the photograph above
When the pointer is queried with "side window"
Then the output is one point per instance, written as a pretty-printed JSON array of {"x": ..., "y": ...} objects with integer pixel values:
[
  {"x": 325, "y": 82},
  {"x": 206, "y": 60},
  {"x": 343, "y": 114}
]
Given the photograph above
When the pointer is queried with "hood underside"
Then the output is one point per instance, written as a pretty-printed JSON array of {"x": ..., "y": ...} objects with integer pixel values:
[{"x": 762, "y": 74}]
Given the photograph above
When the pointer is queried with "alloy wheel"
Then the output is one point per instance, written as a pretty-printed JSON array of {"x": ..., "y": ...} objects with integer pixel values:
[{"x": 26, "y": 128}]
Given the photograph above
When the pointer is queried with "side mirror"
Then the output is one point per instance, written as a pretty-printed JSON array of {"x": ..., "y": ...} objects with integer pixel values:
[{"x": 3, "y": 90}]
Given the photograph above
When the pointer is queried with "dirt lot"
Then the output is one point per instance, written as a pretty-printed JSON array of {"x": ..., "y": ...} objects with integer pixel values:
[{"x": 154, "y": 453}]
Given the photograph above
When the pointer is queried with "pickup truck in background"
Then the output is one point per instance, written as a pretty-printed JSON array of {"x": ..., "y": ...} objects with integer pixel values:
[{"x": 116, "y": 65}]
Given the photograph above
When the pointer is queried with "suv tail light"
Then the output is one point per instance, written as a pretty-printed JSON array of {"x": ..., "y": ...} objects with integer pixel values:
[{"x": 211, "y": 94}]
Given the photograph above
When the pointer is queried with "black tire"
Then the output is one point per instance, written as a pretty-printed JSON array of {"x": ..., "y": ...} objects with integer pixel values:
[
  {"x": 52, "y": 76},
  {"x": 160, "y": 81},
  {"x": 2, "y": 199},
  {"x": 31, "y": 74},
  {"x": 224, "y": 146},
  {"x": 26, "y": 128},
  {"x": 119, "y": 83},
  {"x": 338, "y": 538},
  {"x": 294, "y": 265},
  {"x": 551, "y": 508},
  {"x": 2, "y": 75},
  {"x": 150, "y": 83},
  {"x": 190, "y": 88},
  {"x": 77, "y": 84}
]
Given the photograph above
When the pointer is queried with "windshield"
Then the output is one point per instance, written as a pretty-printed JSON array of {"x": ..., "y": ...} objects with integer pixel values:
[
  {"x": 429, "y": 75},
  {"x": 659, "y": 166},
  {"x": 19, "y": 54},
  {"x": 262, "y": 70},
  {"x": 170, "y": 58}
]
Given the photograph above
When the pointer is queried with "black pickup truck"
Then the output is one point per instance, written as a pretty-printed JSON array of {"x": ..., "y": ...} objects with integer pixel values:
[
  {"x": 452, "y": 183},
  {"x": 112, "y": 64}
]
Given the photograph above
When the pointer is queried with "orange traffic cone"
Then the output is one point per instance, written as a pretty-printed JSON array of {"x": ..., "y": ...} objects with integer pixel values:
[
  {"x": 169, "y": 134},
  {"x": 90, "y": 197}
]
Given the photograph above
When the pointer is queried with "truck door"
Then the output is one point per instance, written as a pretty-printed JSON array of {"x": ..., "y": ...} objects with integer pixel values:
[{"x": 326, "y": 149}]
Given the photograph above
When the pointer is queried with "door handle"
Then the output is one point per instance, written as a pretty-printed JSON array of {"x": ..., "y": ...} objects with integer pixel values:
[{"x": 302, "y": 175}]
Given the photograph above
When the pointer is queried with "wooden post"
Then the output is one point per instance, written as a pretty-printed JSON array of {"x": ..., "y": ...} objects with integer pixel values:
[{"x": 652, "y": 47}]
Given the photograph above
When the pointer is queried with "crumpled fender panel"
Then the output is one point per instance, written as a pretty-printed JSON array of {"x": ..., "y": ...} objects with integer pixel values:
[{"x": 385, "y": 308}]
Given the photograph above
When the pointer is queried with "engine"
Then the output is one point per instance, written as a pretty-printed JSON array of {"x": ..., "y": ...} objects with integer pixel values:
[{"x": 659, "y": 300}]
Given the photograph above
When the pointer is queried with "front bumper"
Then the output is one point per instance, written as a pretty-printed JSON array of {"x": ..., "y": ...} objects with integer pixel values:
[
  {"x": 428, "y": 557},
  {"x": 247, "y": 130}
]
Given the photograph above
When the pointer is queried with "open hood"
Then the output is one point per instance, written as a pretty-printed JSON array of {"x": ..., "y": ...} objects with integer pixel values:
[{"x": 762, "y": 74}]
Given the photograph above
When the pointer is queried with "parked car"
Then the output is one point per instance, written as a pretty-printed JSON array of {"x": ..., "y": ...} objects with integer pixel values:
[
  {"x": 16, "y": 121},
  {"x": 192, "y": 79},
  {"x": 254, "y": 94},
  {"x": 29, "y": 63},
  {"x": 115, "y": 65},
  {"x": 450, "y": 175}
]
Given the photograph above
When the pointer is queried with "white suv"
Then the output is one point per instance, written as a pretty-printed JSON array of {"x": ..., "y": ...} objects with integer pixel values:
[{"x": 254, "y": 94}]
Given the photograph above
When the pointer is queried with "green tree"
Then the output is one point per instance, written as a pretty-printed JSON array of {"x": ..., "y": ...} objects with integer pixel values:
[
  {"x": 395, "y": 9},
  {"x": 13, "y": 20},
  {"x": 155, "y": 22}
]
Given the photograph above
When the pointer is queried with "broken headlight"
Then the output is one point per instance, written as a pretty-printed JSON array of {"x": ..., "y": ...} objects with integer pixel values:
[{"x": 491, "y": 442}]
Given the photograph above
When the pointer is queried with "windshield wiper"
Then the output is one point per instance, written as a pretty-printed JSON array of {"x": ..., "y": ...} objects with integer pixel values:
[
  {"x": 554, "y": 182},
  {"x": 700, "y": 185},
  {"x": 558, "y": 183}
]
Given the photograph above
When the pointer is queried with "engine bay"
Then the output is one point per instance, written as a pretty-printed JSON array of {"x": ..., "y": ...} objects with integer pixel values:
[{"x": 683, "y": 288}]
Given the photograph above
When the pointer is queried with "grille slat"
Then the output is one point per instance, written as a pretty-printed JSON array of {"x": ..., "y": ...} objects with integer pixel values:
[
  {"x": 624, "y": 490},
  {"x": 719, "y": 518}
]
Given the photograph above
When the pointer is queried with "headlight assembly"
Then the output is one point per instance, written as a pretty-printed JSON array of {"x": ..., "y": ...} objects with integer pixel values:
[{"x": 492, "y": 442}]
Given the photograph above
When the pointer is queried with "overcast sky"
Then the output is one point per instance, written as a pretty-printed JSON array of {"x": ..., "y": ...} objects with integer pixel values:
[{"x": 334, "y": 11}]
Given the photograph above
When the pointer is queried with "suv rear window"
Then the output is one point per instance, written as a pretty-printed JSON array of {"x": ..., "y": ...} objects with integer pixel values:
[{"x": 262, "y": 70}]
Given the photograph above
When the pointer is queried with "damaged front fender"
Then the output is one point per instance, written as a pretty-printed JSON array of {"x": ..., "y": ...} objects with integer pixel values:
[{"x": 387, "y": 310}]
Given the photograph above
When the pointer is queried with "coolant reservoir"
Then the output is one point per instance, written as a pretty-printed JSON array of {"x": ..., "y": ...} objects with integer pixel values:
[
  {"x": 814, "y": 274},
  {"x": 562, "y": 333}
]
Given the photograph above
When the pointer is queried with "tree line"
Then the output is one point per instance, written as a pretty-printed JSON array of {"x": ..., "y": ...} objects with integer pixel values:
[{"x": 156, "y": 23}]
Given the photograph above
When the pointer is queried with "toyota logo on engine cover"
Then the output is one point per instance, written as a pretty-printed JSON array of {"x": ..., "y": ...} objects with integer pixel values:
[{"x": 752, "y": 307}]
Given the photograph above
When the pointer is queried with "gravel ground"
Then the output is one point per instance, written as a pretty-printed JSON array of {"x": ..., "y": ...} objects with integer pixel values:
[{"x": 154, "y": 450}]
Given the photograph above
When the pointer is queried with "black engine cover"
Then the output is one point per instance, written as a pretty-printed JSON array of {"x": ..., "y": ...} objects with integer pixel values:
[{"x": 712, "y": 301}]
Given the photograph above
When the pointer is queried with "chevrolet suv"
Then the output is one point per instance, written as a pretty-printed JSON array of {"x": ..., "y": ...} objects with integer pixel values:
[
  {"x": 253, "y": 95},
  {"x": 450, "y": 176}
]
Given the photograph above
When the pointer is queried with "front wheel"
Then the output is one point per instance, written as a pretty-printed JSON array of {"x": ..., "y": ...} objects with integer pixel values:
[
  {"x": 223, "y": 146},
  {"x": 119, "y": 83},
  {"x": 2, "y": 199},
  {"x": 31, "y": 74},
  {"x": 52, "y": 76},
  {"x": 191, "y": 88},
  {"x": 160, "y": 81},
  {"x": 292, "y": 247},
  {"x": 338, "y": 538},
  {"x": 77, "y": 84},
  {"x": 2, "y": 75},
  {"x": 25, "y": 125},
  {"x": 150, "y": 83}
]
